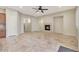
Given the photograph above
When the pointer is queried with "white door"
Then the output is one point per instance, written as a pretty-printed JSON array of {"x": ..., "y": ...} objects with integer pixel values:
[{"x": 58, "y": 24}]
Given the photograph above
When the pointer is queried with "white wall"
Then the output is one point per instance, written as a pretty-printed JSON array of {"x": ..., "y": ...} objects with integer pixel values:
[
  {"x": 70, "y": 23},
  {"x": 18, "y": 23},
  {"x": 58, "y": 24},
  {"x": 35, "y": 24},
  {"x": 69, "y": 27},
  {"x": 77, "y": 23},
  {"x": 48, "y": 20},
  {"x": 38, "y": 24},
  {"x": 11, "y": 22}
]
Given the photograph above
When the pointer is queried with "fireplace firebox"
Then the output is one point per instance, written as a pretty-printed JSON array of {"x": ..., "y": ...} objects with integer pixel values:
[{"x": 47, "y": 27}]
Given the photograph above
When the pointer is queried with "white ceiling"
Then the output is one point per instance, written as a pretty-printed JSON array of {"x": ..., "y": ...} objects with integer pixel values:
[{"x": 29, "y": 11}]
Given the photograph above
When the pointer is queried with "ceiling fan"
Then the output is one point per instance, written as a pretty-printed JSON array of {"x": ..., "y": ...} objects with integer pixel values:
[{"x": 40, "y": 9}]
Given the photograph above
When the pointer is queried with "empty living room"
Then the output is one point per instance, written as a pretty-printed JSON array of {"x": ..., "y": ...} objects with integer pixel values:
[{"x": 39, "y": 29}]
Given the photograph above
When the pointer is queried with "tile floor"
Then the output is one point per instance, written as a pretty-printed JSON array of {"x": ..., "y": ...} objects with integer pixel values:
[{"x": 38, "y": 42}]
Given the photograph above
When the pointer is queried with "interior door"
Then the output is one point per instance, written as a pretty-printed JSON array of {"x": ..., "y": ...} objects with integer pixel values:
[
  {"x": 58, "y": 24},
  {"x": 2, "y": 25}
]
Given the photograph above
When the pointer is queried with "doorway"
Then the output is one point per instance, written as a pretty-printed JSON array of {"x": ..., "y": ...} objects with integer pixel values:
[{"x": 27, "y": 25}]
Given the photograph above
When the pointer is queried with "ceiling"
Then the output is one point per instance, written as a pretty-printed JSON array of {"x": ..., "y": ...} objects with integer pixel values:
[{"x": 28, "y": 10}]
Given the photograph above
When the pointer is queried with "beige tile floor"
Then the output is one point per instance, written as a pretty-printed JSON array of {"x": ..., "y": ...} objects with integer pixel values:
[{"x": 38, "y": 41}]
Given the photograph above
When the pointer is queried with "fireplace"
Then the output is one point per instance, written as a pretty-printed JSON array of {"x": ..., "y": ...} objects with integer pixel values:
[{"x": 47, "y": 27}]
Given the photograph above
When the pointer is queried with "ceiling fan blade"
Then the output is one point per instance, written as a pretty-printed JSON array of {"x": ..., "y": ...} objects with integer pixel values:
[
  {"x": 35, "y": 12},
  {"x": 39, "y": 9},
  {"x": 40, "y": 6},
  {"x": 44, "y": 9},
  {"x": 35, "y": 8}
]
